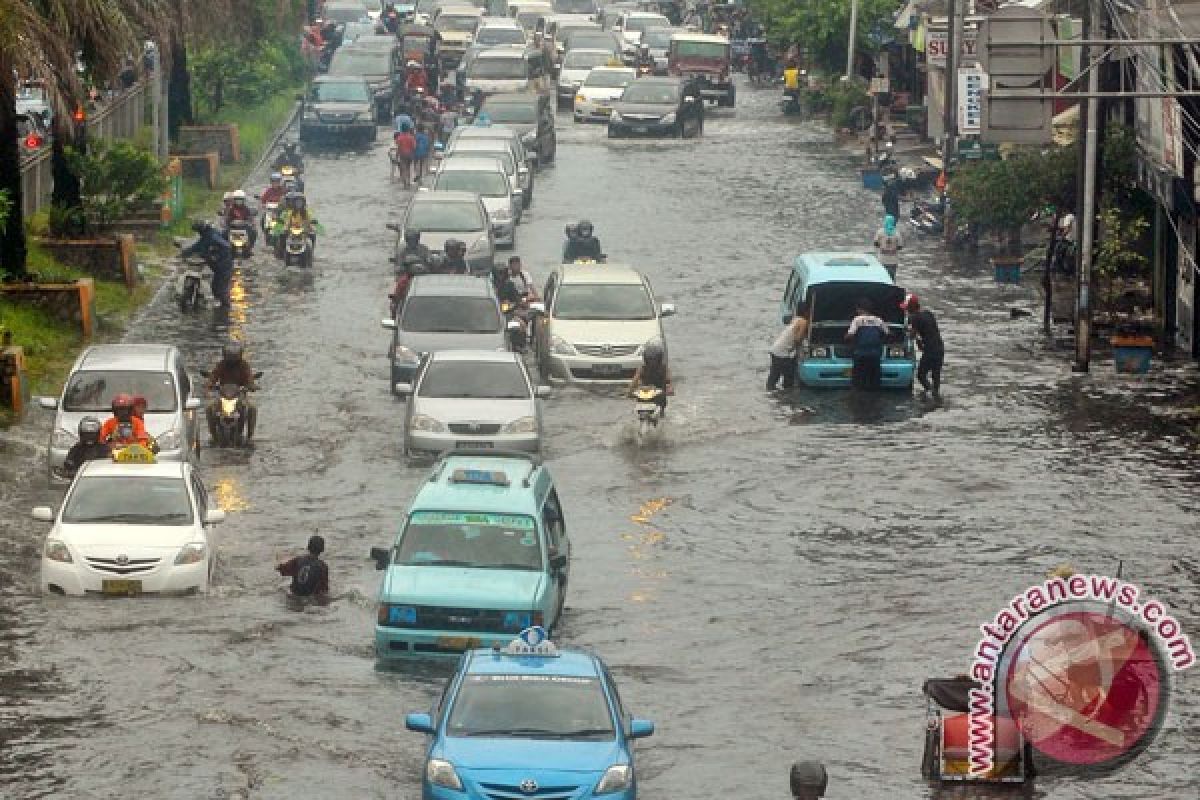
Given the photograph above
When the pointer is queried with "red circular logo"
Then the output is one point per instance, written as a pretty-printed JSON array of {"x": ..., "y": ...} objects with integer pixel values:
[{"x": 1086, "y": 689}]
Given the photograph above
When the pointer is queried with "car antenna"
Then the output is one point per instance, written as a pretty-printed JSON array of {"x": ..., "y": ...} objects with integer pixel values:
[{"x": 437, "y": 470}]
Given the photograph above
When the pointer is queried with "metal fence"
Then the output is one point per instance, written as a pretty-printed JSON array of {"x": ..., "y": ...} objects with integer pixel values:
[{"x": 117, "y": 117}]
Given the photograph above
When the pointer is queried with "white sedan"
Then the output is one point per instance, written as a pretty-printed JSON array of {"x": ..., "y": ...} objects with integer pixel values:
[
  {"x": 130, "y": 529},
  {"x": 602, "y": 87}
]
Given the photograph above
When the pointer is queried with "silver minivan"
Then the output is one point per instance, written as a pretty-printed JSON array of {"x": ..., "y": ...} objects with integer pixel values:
[
  {"x": 503, "y": 149},
  {"x": 153, "y": 371}
]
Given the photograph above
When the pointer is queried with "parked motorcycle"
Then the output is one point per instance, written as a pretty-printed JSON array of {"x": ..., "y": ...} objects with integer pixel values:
[
  {"x": 230, "y": 430},
  {"x": 791, "y": 104},
  {"x": 297, "y": 247},
  {"x": 239, "y": 238},
  {"x": 648, "y": 410}
]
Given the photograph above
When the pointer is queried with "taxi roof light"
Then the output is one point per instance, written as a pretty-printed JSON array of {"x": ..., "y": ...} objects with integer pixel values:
[
  {"x": 487, "y": 477},
  {"x": 533, "y": 641},
  {"x": 133, "y": 454}
]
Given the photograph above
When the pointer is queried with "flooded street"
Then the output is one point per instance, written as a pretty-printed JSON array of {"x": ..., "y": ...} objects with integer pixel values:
[{"x": 772, "y": 578}]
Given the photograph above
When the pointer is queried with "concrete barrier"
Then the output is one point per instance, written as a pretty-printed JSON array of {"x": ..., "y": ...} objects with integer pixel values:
[
  {"x": 69, "y": 302},
  {"x": 112, "y": 259},
  {"x": 222, "y": 139},
  {"x": 200, "y": 166}
]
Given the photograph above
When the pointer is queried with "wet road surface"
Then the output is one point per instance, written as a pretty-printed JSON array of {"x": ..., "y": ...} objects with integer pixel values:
[{"x": 771, "y": 578}]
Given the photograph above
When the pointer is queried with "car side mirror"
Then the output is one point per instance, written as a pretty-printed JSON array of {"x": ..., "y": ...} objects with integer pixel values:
[
  {"x": 193, "y": 404},
  {"x": 48, "y": 403},
  {"x": 667, "y": 310},
  {"x": 559, "y": 561},
  {"x": 543, "y": 391},
  {"x": 214, "y": 516},
  {"x": 43, "y": 513},
  {"x": 381, "y": 557},
  {"x": 640, "y": 728},
  {"x": 390, "y": 324},
  {"x": 391, "y": 226},
  {"x": 403, "y": 389},
  {"x": 421, "y": 723}
]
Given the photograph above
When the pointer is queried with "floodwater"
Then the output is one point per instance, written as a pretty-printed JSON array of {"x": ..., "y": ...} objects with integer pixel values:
[{"x": 772, "y": 578}]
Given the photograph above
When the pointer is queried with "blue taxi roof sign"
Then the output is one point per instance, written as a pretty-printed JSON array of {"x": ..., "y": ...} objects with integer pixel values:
[
  {"x": 489, "y": 477},
  {"x": 532, "y": 641},
  {"x": 134, "y": 454}
]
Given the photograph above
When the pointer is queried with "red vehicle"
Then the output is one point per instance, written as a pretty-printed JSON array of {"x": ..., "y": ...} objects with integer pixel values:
[{"x": 707, "y": 59}]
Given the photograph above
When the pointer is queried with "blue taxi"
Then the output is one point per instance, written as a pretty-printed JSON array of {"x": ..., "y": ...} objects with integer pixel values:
[
  {"x": 529, "y": 720},
  {"x": 827, "y": 286},
  {"x": 483, "y": 554}
]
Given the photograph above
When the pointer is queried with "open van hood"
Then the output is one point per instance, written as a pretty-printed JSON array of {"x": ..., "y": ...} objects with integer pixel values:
[{"x": 835, "y": 301}]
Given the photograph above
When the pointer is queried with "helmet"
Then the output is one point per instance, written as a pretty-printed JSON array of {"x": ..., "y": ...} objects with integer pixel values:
[
  {"x": 200, "y": 226},
  {"x": 412, "y": 64},
  {"x": 232, "y": 351},
  {"x": 227, "y": 196},
  {"x": 652, "y": 352},
  {"x": 89, "y": 430},
  {"x": 122, "y": 407},
  {"x": 584, "y": 228},
  {"x": 237, "y": 195},
  {"x": 572, "y": 231},
  {"x": 911, "y": 303}
]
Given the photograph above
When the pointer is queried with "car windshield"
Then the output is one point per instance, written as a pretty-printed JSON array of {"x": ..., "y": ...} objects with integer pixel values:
[
  {"x": 528, "y": 19},
  {"x": 644, "y": 23},
  {"x": 129, "y": 499},
  {"x": 340, "y": 92},
  {"x": 574, "y": 6},
  {"x": 505, "y": 155},
  {"x": 592, "y": 39},
  {"x": 688, "y": 49},
  {"x": 499, "y": 35},
  {"x": 537, "y": 706},
  {"x": 501, "y": 380},
  {"x": 650, "y": 93},
  {"x": 603, "y": 301},
  {"x": 93, "y": 390},
  {"x": 344, "y": 13},
  {"x": 426, "y": 6},
  {"x": 576, "y": 59},
  {"x": 433, "y": 314},
  {"x": 511, "y": 69},
  {"x": 609, "y": 79},
  {"x": 445, "y": 217},
  {"x": 482, "y": 541},
  {"x": 461, "y": 23},
  {"x": 657, "y": 38},
  {"x": 512, "y": 113},
  {"x": 363, "y": 62},
  {"x": 357, "y": 29},
  {"x": 488, "y": 184}
]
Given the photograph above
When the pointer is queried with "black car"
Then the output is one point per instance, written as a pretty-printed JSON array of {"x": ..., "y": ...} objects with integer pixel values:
[
  {"x": 531, "y": 115},
  {"x": 658, "y": 107},
  {"x": 340, "y": 109}
]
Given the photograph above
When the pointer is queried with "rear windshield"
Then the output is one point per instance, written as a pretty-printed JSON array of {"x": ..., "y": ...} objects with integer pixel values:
[
  {"x": 501, "y": 69},
  {"x": 574, "y": 6},
  {"x": 488, "y": 184},
  {"x": 432, "y": 314},
  {"x": 512, "y": 113},
  {"x": 657, "y": 38},
  {"x": 578, "y": 59},
  {"x": 346, "y": 13},
  {"x": 592, "y": 39},
  {"x": 642, "y": 23},
  {"x": 528, "y": 19},
  {"x": 605, "y": 79},
  {"x": 460, "y": 23},
  {"x": 496, "y": 35},
  {"x": 452, "y": 217},
  {"x": 501, "y": 380},
  {"x": 94, "y": 390},
  {"x": 505, "y": 155},
  {"x": 688, "y": 49},
  {"x": 363, "y": 62}
]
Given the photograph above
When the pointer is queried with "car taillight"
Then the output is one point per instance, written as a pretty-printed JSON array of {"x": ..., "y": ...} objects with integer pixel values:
[{"x": 33, "y": 141}]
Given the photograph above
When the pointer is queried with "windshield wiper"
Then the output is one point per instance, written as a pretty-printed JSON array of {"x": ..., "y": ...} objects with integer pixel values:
[
  {"x": 538, "y": 732},
  {"x": 133, "y": 517},
  {"x": 439, "y": 564},
  {"x": 505, "y": 566}
]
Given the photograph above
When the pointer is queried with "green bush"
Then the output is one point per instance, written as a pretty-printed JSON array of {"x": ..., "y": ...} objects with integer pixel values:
[
  {"x": 844, "y": 97},
  {"x": 116, "y": 177},
  {"x": 245, "y": 76}
]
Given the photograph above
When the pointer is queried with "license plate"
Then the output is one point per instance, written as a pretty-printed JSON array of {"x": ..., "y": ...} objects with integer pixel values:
[
  {"x": 640, "y": 129},
  {"x": 125, "y": 588},
  {"x": 457, "y": 642},
  {"x": 473, "y": 445},
  {"x": 606, "y": 369}
]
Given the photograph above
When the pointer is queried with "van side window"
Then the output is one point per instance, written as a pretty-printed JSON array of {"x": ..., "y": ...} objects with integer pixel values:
[
  {"x": 185, "y": 382},
  {"x": 548, "y": 292},
  {"x": 552, "y": 519},
  {"x": 789, "y": 294}
]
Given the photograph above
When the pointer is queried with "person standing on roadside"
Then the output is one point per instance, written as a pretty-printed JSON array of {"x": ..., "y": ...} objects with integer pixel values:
[
  {"x": 783, "y": 353},
  {"x": 309, "y": 574},
  {"x": 923, "y": 325},
  {"x": 868, "y": 333},
  {"x": 889, "y": 243}
]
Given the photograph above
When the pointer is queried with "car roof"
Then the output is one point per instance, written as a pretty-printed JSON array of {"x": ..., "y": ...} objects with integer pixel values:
[
  {"x": 599, "y": 273},
  {"x": 105, "y": 468},
  {"x": 133, "y": 357},
  {"x": 573, "y": 663},
  {"x": 527, "y": 98},
  {"x": 593, "y": 50},
  {"x": 626, "y": 70},
  {"x": 443, "y": 285},
  {"x": 491, "y": 356},
  {"x": 460, "y": 11},
  {"x": 500, "y": 22},
  {"x": 470, "y": 163},
  {"x": 503, "y": 51},
  {"x": 703, "y": 37},
  {"x": 528, "y": 482},
  {"x": 485, "y": 133},
  {"x": 831, "y": 267},
  {"x": 445, "y": 197}
]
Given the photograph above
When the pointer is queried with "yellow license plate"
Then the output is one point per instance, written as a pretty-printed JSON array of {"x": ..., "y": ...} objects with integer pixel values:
[
  {"x": 124, "y": 588},
  {"x": 457, "y": 642}
]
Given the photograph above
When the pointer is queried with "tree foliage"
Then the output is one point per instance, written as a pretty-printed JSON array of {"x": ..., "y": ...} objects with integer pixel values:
[
  {"x": 116, "y": 177},
  {"x": 5, "y": 204},
  {"x": 245, "y": 75},
  {"x": 821, "y": 27}
]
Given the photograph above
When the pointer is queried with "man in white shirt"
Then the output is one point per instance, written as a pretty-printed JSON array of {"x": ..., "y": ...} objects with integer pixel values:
[
  {"x": 869, "y": 336},
  {"x": 521, "y": 278}
]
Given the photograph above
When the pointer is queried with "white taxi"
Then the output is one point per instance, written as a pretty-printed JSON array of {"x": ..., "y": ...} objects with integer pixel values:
[
  {"x": 602, "y": 87},
  {"x": 130, "y": 526}
]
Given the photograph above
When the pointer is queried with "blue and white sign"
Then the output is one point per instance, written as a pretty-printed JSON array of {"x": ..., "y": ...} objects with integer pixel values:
[
  {"x": 971, "y": 83},
  {"x": 532, "y": 641}
]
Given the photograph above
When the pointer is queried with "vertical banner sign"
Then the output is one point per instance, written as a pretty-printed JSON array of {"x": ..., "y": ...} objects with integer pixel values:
[
  {"x": 971, "y": 81},
  {"x": 937, "y": 45}
]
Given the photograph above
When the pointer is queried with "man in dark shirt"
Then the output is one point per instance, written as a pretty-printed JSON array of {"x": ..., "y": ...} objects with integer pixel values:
[
  {"x": 924, "y": 327},
  {"x": 891, "y": 198},
  {"x": 309, "y": 574}
]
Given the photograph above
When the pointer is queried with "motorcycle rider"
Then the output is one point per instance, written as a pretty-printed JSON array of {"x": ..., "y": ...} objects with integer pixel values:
[
  {"x": 390, "y": 18},
  {"x": 274, "y": 192},
  {"x": 124, "y": 427},
  {"x": 294, "y": 213},
  {"x": 521, "y": 279},
  {"x": 238, "y": 211},
  {"x": 760, "y": 58},
  {"x": 583, "y": 245},
  {"x": 215, "y": 249},
  {"x": 415, "y": 256},
  {"x": 288, "y": 156},
  {"x": 653, "y": 373},
  {"x": 88, "y": 448},
  {"x": 415, "y": 78},
  {"x": 644, "y": 60},
  {"x": 455, "y": 262},
  {"x": 232, "y": 368},
  {"x": 791, "y": 81}
]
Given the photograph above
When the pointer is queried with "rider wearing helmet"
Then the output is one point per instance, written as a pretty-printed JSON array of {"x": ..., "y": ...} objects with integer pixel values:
[
  {"x": 415, "y": 255},
  {"x": 415, "y": 78},
  {"x": 290, "y": 156},
  {"x": 88, "y": 448},
  {"x": 213, "y": 248},
  {"x": 238, "y": 211},
  {"x": 455, "y": 262},
  {"x": 232, "y": 369},
  {"x": 124, "y": 427},
  {"x": 294, "y": 213},
  {"x": 274, "y": 192},
  {"x": 654, "y": 372},
  {"x": 582, "y": 245}
]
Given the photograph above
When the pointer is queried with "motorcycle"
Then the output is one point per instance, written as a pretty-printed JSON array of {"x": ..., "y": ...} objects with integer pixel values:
[
  {"x": 515, "y": 322},
  {"x": 791, "y": 103},
  {"x": 230, "y": 430},
  {"x": 270, "y": 211},
  {"x": 239, "y": 238},
  {"x": 190, "y": 285},
  {"x": 648, "y": 410},
  {"x": 293, "y": 177},
  {"x": 297, "y": 247}
]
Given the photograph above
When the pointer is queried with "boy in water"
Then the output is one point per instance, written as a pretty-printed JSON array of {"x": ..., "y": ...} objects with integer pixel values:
[{"x": 309, "y": 574}]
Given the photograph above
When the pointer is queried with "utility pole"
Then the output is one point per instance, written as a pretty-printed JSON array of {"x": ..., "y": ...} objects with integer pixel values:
[
  {"x": 950, "y": 96},
  {"x": 853, "y": 40},
  {"x": 1087, "y": 216}
]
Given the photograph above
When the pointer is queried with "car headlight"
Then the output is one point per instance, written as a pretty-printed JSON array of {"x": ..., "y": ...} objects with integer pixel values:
[
  {"x": 669, "y": 118},
  {"x": 191, "y": 553},
  {"x": 560, "y": 346},
  {"x": 169, "y": 440},
  {"x": 56, "y": 550},
  {"x": 63, "y": 439},
  {"x": 480, "y": 245},
  {"x": 522, "y": 425},
  {"x": 896, "y": 352},
  {"x": 441, "y": 773},
  {"x": 580, "y": 98},
  {"x": 616, "y": 778},
  {"x": 424, "y": 422},
  {"x": 403, "y": 353}
]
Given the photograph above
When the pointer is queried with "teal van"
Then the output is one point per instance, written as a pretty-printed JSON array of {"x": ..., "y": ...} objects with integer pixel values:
[
  {"x": 482, "y": 555},
  {"x": 828, "y": 285}
]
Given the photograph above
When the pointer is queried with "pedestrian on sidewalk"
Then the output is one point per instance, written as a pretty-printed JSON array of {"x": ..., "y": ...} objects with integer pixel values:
[
  {"x": 889, "y": 243},
  {"x": 783, "y": 352},
  {"x": 923, "y": 326}
]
